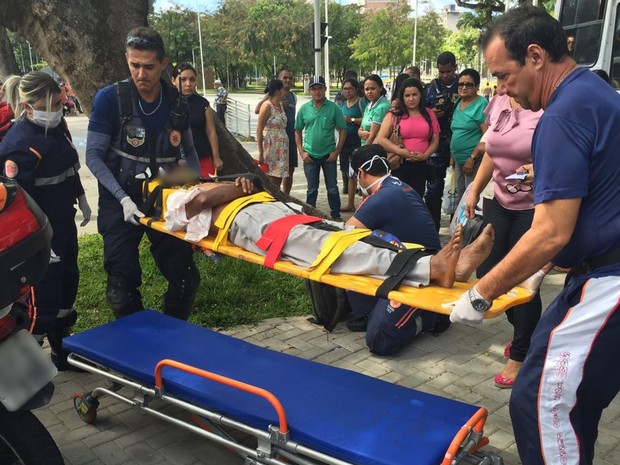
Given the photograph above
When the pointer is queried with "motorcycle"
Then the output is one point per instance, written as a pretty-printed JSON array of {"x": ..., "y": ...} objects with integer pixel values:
[{"x": 26, "y": 371}]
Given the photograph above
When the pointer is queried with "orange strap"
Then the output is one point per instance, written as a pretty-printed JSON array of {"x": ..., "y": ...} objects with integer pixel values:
[{"x": 275, "y": 236}]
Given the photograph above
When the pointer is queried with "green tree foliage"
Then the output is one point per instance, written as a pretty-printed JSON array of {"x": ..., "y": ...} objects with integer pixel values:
[
  {"x": 385, "y": 38},
  {"x": 432, "y": 36},
  {"x": 344, "y": 24},
  {"x": 464, "y": 45},
  {"x": 179, "y": 29}
]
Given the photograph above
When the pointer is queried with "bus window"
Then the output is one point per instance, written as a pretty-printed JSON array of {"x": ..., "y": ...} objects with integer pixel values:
[
  {"x": 615, "y": 53},
  {"x": 583, "y": 21}
]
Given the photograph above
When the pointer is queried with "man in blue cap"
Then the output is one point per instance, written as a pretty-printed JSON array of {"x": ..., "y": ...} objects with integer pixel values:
[{"x": 316, "y": 143}]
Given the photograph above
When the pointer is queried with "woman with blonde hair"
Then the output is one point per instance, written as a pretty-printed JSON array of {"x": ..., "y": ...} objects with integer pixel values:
[{"x": 38, "y": 153}]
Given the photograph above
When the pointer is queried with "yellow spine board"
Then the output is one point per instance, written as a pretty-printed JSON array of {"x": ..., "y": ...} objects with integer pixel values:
[{"x": 430, "y": 298}]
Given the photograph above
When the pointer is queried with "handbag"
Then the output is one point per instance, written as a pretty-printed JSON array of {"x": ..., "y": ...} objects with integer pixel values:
[{"x": 394, "y": 160}]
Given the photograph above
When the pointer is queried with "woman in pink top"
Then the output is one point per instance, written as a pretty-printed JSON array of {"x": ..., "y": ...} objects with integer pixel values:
[
  {"x": 508, "y": 148},
  {"x": 419, "y": 130}
]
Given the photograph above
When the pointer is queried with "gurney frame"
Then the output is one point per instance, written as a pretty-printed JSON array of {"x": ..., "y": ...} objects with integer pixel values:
[{"x": 274, "y": 447}]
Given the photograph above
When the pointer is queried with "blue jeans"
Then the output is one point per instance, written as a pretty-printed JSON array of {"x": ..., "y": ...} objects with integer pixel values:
[{"x": 330, "y": 174}]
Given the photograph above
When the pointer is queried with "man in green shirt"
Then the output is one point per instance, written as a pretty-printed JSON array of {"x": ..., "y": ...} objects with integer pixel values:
[{"x": 315, "y": 127}]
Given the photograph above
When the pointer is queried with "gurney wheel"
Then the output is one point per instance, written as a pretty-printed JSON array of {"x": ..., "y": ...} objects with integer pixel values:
[{"x": 86, "y": 407}]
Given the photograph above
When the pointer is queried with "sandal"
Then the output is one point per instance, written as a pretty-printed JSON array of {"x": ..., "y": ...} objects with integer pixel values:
[
  {"x": 503, "y": 382},
  {"x": 348, "y": 210}
]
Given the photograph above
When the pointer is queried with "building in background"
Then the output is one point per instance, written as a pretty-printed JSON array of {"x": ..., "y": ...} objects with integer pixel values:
[
  {"x": 450, "y": 17},
  {"x": 374, "y": 5}
]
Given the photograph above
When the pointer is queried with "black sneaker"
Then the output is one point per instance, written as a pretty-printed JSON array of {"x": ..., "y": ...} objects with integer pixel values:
[
  {"x": 357, "y": 324},
  {"x": 338, "y": 219}
]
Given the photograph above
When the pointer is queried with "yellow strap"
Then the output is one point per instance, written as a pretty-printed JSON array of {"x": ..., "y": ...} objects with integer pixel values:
[
  {"x": 230, "y": 211},
  {"x": 411, "y": 245},
  {"x": 333, "y": 247}
]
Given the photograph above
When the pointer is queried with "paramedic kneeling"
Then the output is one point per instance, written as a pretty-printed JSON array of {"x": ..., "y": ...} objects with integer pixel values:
[
  {"x": 570, "y": 373},
  {"x": 395, "y": 208},
  {"x": 137, "y": 128}
]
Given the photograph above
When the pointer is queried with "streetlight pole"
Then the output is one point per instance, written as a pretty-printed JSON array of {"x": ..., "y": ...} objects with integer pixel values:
[
  {"x": 202, "y": 64},
  {"x": 415, "y": 30},
  {"x": 415, "y": 33}
]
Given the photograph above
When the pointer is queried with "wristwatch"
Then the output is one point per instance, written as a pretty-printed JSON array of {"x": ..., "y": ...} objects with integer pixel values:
[{"x": 477, "y": 301}]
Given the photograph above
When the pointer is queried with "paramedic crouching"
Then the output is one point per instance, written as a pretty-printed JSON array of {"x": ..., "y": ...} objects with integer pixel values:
[
  {"x": 395, "y": 208},
  {"x": 133, "y": 131}
]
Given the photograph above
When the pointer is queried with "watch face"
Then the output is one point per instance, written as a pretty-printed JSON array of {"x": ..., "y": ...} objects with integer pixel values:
[{"x": 479, "y": 305}]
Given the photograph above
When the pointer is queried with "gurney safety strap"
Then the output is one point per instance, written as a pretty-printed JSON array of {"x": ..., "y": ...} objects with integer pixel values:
[
  {"x": 403, "y": 263},
  {"x": 273, "y": 239},
  {"x": 333, "y": 247},
  {"x": 228, "y": 214}
]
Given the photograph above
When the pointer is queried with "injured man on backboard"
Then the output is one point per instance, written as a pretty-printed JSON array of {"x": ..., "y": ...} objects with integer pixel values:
[{"x": 196, "y": 211}]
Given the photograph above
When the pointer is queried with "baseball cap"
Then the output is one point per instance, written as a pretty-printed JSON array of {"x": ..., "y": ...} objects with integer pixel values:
[{"x": 317, "y": 80}]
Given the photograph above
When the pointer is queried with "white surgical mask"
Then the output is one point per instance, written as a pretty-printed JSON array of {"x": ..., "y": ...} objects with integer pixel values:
[
  {"x": 39, "y": 117},
  {"x": 366, "y": 190}
]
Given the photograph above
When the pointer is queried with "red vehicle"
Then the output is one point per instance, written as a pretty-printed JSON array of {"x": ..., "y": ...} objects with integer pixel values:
[{"x": 26, "y": 370}]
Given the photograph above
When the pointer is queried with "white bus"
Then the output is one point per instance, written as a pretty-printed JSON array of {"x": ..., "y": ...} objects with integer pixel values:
[{"x": 595, "y": 27}]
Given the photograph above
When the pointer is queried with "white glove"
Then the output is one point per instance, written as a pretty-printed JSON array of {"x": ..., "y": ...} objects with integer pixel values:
[
  {"x": 85, "y": 209},
  {"x": 130, "y": 211},
  {"x": 53, "y": 257},
  {"x": 463, "y": 310},
  {"x": 533, "y": 282}
]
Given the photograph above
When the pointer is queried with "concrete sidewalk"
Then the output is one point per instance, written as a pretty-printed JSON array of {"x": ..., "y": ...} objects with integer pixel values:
[{"x": 458, "y": 364}]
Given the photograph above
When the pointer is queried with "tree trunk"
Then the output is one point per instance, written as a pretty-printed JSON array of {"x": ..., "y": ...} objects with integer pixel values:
[
  {"x": 84, "y": 42},
  {"x": 8, "y": 63}
]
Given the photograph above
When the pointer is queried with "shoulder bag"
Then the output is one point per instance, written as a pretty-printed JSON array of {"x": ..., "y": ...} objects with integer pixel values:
[{"x": 394, "y": 160}]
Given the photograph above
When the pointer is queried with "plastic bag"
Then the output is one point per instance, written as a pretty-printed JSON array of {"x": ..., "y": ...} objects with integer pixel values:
[
  {"x": 449, "y": 192},
  {"x": 471, "y": 226}
]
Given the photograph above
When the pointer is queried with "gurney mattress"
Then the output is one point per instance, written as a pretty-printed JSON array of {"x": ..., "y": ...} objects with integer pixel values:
[{"x": 341, "y": 413}]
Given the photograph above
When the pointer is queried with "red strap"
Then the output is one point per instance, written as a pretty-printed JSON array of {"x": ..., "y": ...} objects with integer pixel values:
[{"x": 273, "y": 239}]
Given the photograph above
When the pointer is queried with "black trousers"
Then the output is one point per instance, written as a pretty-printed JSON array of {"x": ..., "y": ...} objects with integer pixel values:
[
  {"x": 509, "y": 226},
  {"x": 58, "y": 287},
  {"x": 173, "y": 257}
]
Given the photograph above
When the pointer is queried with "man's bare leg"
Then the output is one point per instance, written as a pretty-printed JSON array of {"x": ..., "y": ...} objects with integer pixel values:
[
  {"x": 474, "y": 254},
  {"x": 444, "y": 263}
]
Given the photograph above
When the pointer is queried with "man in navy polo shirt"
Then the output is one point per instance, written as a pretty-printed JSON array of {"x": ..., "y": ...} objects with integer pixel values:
[{"x": 571, "y": 371}]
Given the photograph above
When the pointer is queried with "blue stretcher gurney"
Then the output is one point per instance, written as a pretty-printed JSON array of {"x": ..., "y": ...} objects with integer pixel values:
[{"x": 299, "y": 411}]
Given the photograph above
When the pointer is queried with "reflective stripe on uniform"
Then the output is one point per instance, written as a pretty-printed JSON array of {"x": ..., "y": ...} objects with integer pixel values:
[
  {"x": 59, "y": 178},
  {"x": 145, "y": 160},
  {"x": 570, "y": 344}
]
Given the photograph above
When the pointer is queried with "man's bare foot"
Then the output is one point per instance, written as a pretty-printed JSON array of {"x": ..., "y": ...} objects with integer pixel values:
[
  {"x": 474, "y": 254},
  {"x": 443, "y": 263}
]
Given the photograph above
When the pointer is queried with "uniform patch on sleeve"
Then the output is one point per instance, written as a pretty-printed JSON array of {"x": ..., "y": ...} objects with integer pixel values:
[{"x": 10, "y": 169}]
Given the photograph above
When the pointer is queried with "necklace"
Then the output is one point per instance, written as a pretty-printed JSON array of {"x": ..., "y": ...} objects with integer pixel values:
[
  {"x": 564, "y": 76},
  {"x": 156, "y": 108}
]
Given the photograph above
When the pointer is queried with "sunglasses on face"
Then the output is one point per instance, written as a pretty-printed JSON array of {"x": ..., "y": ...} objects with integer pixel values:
[{"x": 465, "y": 85}]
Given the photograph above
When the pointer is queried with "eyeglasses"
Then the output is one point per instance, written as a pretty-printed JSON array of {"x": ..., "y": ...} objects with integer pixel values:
[
  {"x": 466, "y": 85},
  {"x": 520, "y": 187}
]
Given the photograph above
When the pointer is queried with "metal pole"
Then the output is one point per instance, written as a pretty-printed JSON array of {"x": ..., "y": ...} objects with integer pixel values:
[
  {"x": 327, "y": 83},
  {"x": 202, "y": 64},
  {"x": 415, "y": 32},
  {"x": 30, "y": 53},
  {"x": 317, "y": 37},
  {"x": 21, "y": 53}
]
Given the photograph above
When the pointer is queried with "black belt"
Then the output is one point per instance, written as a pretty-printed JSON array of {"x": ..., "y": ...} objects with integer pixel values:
[{"x": 587, "y": 266}]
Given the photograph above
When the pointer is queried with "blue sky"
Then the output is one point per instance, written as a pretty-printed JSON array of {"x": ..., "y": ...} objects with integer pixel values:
[{"x": 211, "y": 5}]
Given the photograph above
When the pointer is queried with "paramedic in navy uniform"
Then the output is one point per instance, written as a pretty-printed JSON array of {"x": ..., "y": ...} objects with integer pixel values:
[
  {"x": 571, "y": 371},
  {"x": 395, "y": 208},
  {"x": 120, "y": 147},
  {"x": 38, "y": 153}
]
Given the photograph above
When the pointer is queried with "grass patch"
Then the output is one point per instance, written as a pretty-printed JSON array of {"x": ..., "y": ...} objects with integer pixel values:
[{"x": 232, "y": 292}]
